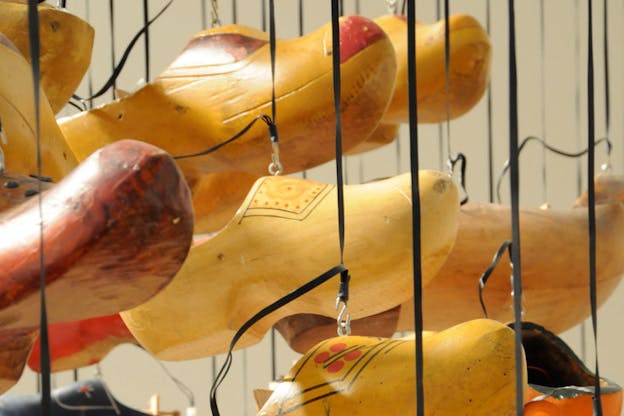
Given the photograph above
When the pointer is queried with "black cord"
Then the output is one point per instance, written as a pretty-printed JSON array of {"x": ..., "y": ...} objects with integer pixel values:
[
  {"x": 591, "y": 202},
  {"x": 34, "y": 44},
  {"x": 262, "y": 117},
  {"x": 490, "y": 138},
  {"x": 506, "y": 245},
  {"x": 548, "y": 147},
  {"x": 147, "y": 39},
  {"x": 111, "y": 82},
  {"x": 300, "y": 291},
  {"x": 515, "y": 214},
  {"x": 416, "y": 231},
  {"x": 343, "y": 290}
]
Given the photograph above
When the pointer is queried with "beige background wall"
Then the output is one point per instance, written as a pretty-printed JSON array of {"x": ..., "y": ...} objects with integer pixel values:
[{"x": 133, "y": 376}]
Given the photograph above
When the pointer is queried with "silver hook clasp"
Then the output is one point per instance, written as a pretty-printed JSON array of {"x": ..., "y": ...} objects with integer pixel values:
[
  {"x": 275, "y": 167},
  {"x": 344, "y": 318}
]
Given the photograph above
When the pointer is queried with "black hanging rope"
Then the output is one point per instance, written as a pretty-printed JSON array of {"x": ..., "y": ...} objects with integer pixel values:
[
  {"x": 225, "y": 368},
  {"x": 343, "y": 291},
  {"x": 111, "y": 14},
  {"x": 416, "y": 232},
  {"x": 547, "y": 147},
  {"x": 605, "y": 40},
  {"x": 146, "y": 39},
  {"x": 112, "y": 81},
  {"x": 490, "y": 139},
  {"x": 34, "y": 44},
  {"x": 515, "y": 214},
  {"x": 591, "y": 204}
]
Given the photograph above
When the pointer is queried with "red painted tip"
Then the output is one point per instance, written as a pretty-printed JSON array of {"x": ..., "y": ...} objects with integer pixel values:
[{"x": 357, "y": 33}]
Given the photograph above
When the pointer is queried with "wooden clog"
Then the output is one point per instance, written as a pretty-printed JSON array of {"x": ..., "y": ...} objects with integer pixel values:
[
  {"x": 84, "y": 397},
  {"x": 66, "y": 43},
  {"x": 470, "y": 56},
  {"x": 222, "y": 80},
  {"x": 554, "y": 265},
  {"x": 116, "y": 230},
  {"x": 552, "y": 301},
  {"x": 559, "y": 382},
  {"x": 284, "y": 235},
  {"x": 81, "y": 343},
  {"x": 468, "y": 370},
  {"x": 17, "y": 113}
]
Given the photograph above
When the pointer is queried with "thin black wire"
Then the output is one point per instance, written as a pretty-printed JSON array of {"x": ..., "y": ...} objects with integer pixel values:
[
  {"x": 591, "y": 211},
  {"x": 490, "y": 139},
  {"x": 111, "y": 82},
  {"x": 543, "y": 96},
  {"x": 416, "y": 231},
  {"x": 447, "y": 76},
  {"x": 506, "y": 245},
  {"x": 605, "y": 40},
  {"x": 111, "y": 10},
  {"x": 234, "y": 11},
  {"x": 146, "y": 39},
  {"x": 34, "y": 46},
  {"x": 515, "y": 211},
  {"x": 548, "y": 147}
]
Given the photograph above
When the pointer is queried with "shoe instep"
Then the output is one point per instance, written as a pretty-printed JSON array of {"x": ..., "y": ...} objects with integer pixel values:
[{"x": 285, "y": 234}]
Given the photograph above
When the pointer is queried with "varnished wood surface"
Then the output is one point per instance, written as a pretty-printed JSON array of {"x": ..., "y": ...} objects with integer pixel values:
[
  {"x": 468, "y": 370},
  {"x": 17, "y": 112},
  {"x": 66, "y": 44},
  {"x": 284, "y": 235},
  {"x": 555, "y": 265},
  {"x": 469, "y": 70},
  {"x": 116, "y": 230},
  {"x": 209, "y": 93},
  {"x": 16, "y": 189}
]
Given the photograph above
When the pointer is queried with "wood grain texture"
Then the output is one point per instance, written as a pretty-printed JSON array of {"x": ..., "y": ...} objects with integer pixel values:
[
  {"x": 66, "y": 44},
  {"x": 209, "y": 93},
  {"x": 116, "y": 230},
  {"x": 284, "y": 235}
]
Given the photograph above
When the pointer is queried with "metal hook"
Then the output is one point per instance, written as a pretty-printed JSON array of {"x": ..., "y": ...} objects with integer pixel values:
[
  {"x": 275, "y": 167},
  {"x": 392, "y": 6},
  {"x": 344, "y": 318},
  {"x": 214, "y": 13}
]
